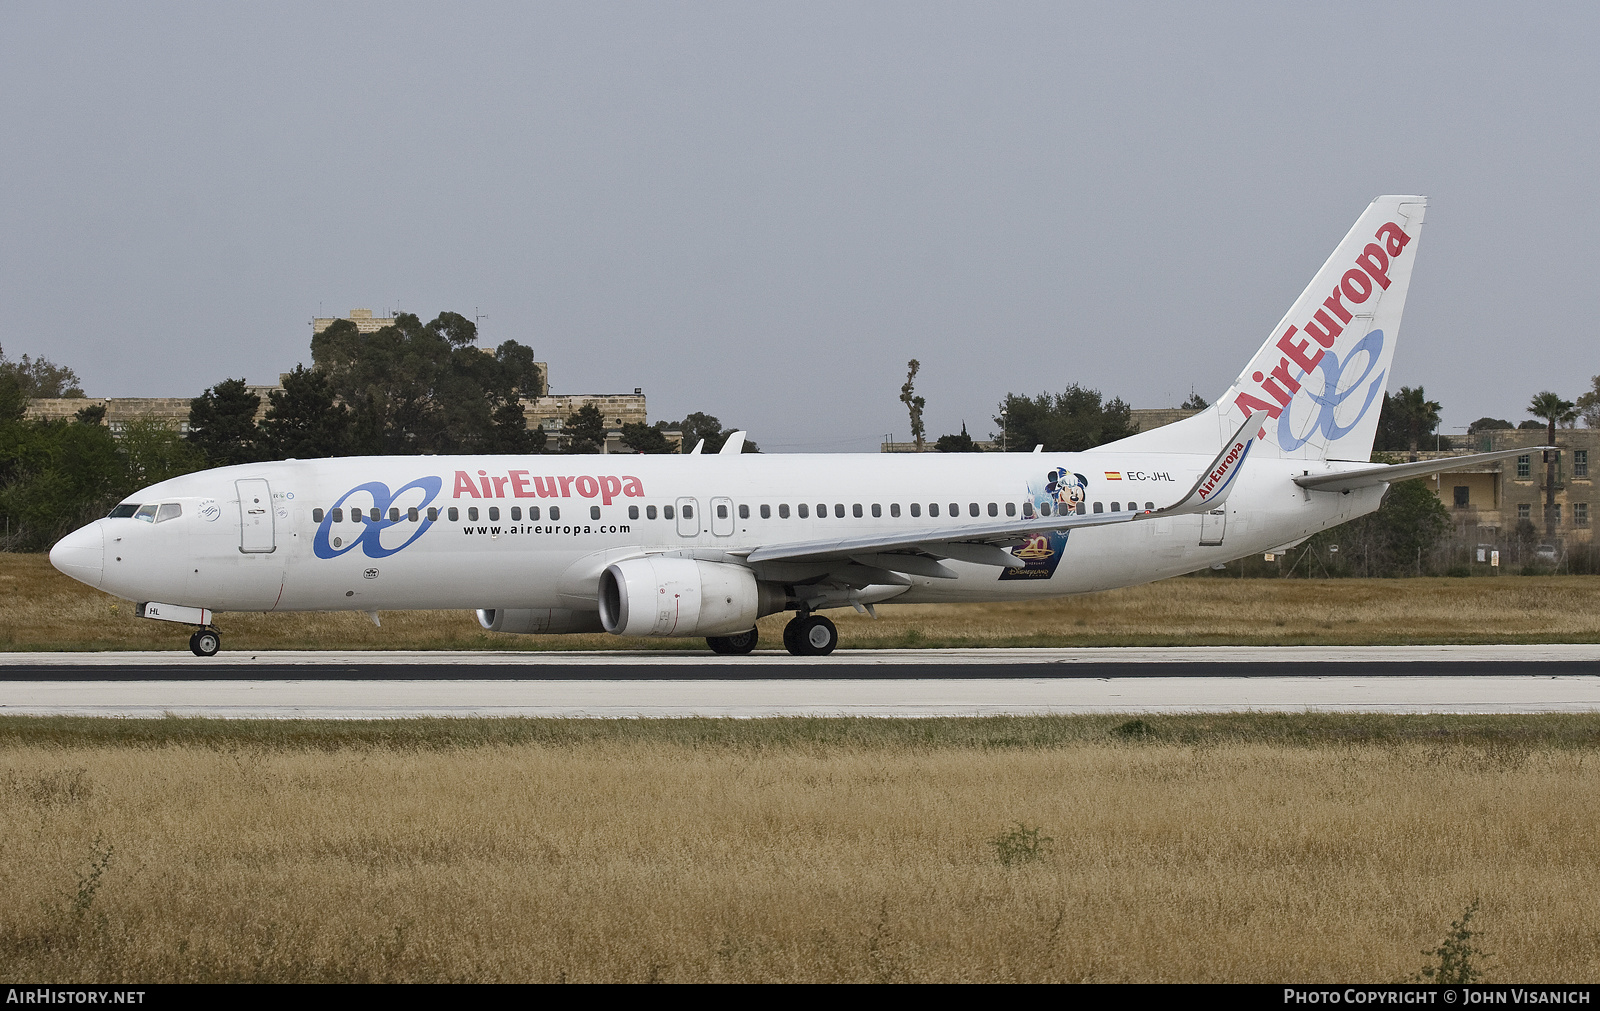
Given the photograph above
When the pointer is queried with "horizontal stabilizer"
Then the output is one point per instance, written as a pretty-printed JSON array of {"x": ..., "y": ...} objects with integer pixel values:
[{"x": 1386, "y": 473}]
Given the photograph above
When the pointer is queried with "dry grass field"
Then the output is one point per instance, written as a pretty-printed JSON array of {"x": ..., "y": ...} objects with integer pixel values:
[
  {"x": 40, "y": 609},
  {"x": 1305, "y": 848}
]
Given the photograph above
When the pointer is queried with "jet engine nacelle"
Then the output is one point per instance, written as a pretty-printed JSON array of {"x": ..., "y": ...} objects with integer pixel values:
[
  {"x": 682, "y": 597},
  {"x": 538, "y": 620}
]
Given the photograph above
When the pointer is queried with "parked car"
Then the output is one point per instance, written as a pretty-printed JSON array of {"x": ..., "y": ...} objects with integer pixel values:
[{"x": 1546, "y": 553}]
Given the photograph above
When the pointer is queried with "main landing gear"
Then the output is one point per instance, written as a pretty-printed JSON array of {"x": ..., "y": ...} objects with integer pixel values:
[
  {"x": 205, "y": 642},
  {"x": 733, "y": 645},
  {"x": 810, "y": 635}
]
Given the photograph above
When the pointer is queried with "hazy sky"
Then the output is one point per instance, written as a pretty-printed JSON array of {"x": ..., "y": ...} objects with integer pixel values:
[{"x": 762, "y": 211}]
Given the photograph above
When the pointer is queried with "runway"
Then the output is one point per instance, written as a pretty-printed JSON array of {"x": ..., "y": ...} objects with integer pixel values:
[{"x": 879, "y": 683}]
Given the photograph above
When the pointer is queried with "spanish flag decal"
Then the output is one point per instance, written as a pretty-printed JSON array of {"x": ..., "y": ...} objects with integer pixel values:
[{"x": 1113, "y": 475}]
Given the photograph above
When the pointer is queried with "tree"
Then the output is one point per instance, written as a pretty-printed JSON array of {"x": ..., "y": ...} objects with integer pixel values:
[
  {"x": 585, "y": 430},
  {"x": 914, "y": 404},
  {"x": 1406, "y": 419},
  {"x": 957, "y": 443},
  {"x": 1487, "y": 424},
  {"x": 699, "y": 426},
  {"x": 39, "y": 378},
  {"x": 222, "y": 423},
  {"x": 642, "y": 438},
  {"x": 1195, "y": 402},
  {"x": 427, "y": 388},
  {"x": 1554, "y": 410},
  {"x": 303, "y": 421},
  {"x": 1067, "y": 422},
  {"x": 92, "y": 414},
  {"x": 56, "y": 476},
  {"x": 1588, "y": 404},
  {"x": 152, "y": 450}
]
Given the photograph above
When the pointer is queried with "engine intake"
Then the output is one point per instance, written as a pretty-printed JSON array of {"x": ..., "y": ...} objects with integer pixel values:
[{"x": 682, "y": 597}]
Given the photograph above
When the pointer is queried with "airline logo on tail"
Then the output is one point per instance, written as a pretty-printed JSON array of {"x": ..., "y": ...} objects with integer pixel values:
[{"x": 1309, "y": 348}]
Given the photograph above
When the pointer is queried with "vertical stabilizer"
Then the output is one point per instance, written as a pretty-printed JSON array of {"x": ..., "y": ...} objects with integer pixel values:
[{"x": 1320, "y": 376}]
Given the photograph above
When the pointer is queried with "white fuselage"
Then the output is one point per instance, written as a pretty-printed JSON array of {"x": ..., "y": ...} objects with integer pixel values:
[{"x": 281, "y": 536}]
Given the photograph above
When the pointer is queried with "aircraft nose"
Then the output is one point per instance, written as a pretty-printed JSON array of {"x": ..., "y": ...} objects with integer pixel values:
[{"x": 82, "y": 554}]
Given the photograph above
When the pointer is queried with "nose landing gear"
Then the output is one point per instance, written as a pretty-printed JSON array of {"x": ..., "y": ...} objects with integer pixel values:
[
  {"x": 810, "y": 635},
  {"x": 205, "y": 642}
]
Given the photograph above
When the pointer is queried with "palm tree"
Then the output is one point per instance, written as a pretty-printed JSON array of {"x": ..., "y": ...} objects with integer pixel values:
[{"x": 1552, "y": 409}]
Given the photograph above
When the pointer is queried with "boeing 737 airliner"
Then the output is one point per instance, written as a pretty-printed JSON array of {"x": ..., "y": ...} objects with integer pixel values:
[{"x": 703, "y": 545}]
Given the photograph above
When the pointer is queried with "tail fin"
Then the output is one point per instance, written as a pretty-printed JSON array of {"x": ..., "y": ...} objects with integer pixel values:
[{"x": 1320, "y": 375}]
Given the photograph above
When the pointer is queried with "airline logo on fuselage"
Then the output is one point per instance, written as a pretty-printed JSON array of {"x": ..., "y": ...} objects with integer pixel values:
[
  {"x": 518, "y": 484},
  {"x": 371, "y": 518},
  {"x": 1301, "y": 356}
]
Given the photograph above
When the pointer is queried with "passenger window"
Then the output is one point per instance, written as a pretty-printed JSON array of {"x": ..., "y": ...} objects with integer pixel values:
[
  {"x": 1150, "y": 506},
  {"x": 1080, "y": 508},
  {"x": 316, "y": 515},
  {"x": 1011, "y": 508},
  {"x": 394, "y": 514},
  {"x": 1044, "y": 509},
  {"x": 494, "y": 513},
  {"x": 411, "y": 515},
  {"x": 744, "y": 512},
  {"x": 805, "y": 511},
  {"x": 147, "y": 513},
  {"x": 433, "y": 513},
  {"x": 916, "y": 508},
  {"x": 650, "y": 513},
  {"x": 855, "y": 510},
  {"x": 516, "y": 513},
  {"x": 994, "y": 510},
  {"x": 933, "y": 508},
  {"x": 472, "y": 513},
  {"x": 122, "y": 511},
  {"x": 594, "y": 512},
  {"x": 533, "y": 513},
  {"x": 894, "y": 509},
  {"x": 338, "y": 515},
  {"x": 667, "y": 513},
  {"x": 1099, "y": 508},
  {"x": 877, "y": 510},
  {"x": 169, "y": 511},
  {"x": 822, "y": 510},
  {"x": 783, "y": 511},
  {"x": 555, "y": 513},
  {"x": 955, "y": 509},
  {"x": 722, "y": 511},
  {"x": 688, "y": 512},
  {"x": 357, "y": 516},
  {"x": 1116, "y": 507},
  {"x": 377, "y": 514},
  {"x": 766, "y": 512},
  {"x": 633, "y": 512},
  {"x": 455, "y": 514},
  {"x": 1027, "y": 510}
]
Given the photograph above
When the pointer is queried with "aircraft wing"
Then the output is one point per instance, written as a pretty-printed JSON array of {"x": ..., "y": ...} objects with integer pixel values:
[
  {"x": 1388, "y": 473},
  {"x": 919, "y": 550}
]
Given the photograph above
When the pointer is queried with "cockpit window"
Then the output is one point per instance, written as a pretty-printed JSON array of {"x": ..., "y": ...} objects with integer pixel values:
[
  {"x": 123, "y": 511},
  {"x": 146, "y": 513},
  {"x": 169, "y": 511}
]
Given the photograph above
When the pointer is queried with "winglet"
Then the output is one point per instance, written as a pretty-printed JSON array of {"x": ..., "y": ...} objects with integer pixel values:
[
  {"x": 1217, "y": 481},
  {"x": 734, "y": 446},
  {"x": 697, "y": 448}
]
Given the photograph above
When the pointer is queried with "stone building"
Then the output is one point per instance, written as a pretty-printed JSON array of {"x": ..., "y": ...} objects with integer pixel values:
[
  {"x": 544, "y": 412},
  {"x": 1487, "y": 502}
]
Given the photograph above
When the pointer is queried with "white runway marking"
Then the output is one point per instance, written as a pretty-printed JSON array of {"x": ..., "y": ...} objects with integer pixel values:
[
  {"x": 864, "y": 697},
  {"x": 1562, "y": 652}
]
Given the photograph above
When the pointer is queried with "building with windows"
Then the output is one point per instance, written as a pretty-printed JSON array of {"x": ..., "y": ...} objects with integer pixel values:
[{"x": 1487, "y": 502}]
